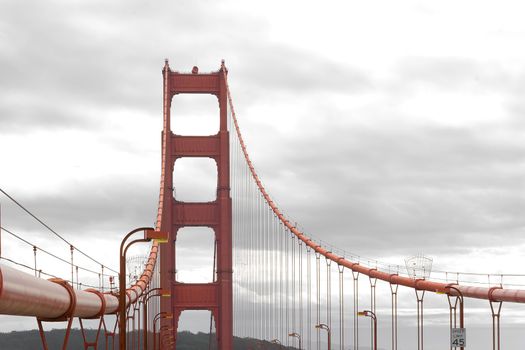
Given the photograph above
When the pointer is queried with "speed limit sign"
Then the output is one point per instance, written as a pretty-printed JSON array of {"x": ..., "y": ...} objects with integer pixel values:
[{"x": 458, "y": 337}]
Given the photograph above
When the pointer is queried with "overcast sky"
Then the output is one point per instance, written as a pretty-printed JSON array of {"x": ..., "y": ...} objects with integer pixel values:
[{"x": 387, "y": 128}]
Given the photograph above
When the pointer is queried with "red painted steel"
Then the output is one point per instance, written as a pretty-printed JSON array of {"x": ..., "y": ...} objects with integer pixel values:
[
  {"x": 22, "y": 294},
  {"x": 173, "y": 215},
  {"x": 499, "y": 294},
  {"x": 54, "y": 300}
]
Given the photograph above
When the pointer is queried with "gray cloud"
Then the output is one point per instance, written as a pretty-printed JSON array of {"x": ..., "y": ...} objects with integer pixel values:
[
  {"x": 94, "y": 208},
  {"x": 67, "y": 60},
  {"x": 420, "y": 186}
]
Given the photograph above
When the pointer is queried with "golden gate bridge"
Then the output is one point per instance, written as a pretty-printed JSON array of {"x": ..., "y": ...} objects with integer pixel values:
[{"x": 272, "y": 280}]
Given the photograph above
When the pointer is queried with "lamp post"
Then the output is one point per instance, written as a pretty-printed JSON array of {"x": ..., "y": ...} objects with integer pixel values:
[
  {"x": 368, "y": 313},
  {"x": 157, "y": 317},
  {"x": 298, "y": 336},
  {"x": 149, "y": 234},
  {"x": 276, "y": 341},
  {"x": 327, "y": 329},
  {"x": 146, "y": 298}
]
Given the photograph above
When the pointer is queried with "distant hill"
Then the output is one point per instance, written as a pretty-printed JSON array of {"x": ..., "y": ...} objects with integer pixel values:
[{"x": 30, "y": 340}]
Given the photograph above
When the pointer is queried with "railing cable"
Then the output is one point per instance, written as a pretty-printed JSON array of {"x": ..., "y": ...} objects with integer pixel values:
[
  {"x": 50, "y": 229},
  {"x": 10, "y": 232}
]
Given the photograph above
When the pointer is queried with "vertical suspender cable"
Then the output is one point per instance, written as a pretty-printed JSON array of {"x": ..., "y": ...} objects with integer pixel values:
[
  {"x": 309, "y": 296},
  {"x": 263, "y": 266},
  {"x": 260, "y": 264},
  {"x": 419, "y": 297},
  {"x": 268, "y": 274},
  {"x": 294, "y": 328},
  {"x": 318, "y": 280},
  {"x": 341, "y": 308},
  {"x": 300, "y": 258},
  {"x": 355, "y": 276},
  {"x": 372, "y": 308},
  {"x": 71, "y": 248},
  {"x": 275, "y": 278},
  {"x": 253, "y": 262},
  {"x": 34, "y": 254},
  {"x": 102, "y": 279},
  {"x": 393, "y": 291},
  {"x": 287, "y": 279},
  {"x": 329, "y": 293},
  {"x": 281, "y": 275},
  {"x": 76, "y": 273}
]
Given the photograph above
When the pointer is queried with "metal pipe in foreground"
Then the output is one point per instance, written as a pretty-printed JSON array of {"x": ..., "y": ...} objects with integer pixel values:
[{"x": 22, "y": 294}]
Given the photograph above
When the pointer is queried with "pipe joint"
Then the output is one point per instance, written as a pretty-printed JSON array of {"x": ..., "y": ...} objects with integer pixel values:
[
  {"x": 102, "y": 310},
  {"x": 490, "y": 294},
  {"x": 72, "y": 303}
]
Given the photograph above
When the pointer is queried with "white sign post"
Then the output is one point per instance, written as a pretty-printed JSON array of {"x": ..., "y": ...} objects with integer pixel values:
[{"x": 458, "y": 337}]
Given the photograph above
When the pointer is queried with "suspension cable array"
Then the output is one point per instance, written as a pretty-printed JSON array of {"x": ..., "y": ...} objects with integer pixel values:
[{"x": 253, "y": 228}]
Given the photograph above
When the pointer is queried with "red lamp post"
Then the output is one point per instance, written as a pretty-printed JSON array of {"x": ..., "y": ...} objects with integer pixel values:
[
  {"x": 298, "y": 336},
  {"x": 149, "y": 234},
  {"x": 327, "y": 329},
  {"x": 368, "y": 313},
  {"x": 147, "y": 296}
]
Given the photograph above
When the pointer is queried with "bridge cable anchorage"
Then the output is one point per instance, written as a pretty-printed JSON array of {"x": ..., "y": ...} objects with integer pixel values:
[{"x": 50, "y": 229}]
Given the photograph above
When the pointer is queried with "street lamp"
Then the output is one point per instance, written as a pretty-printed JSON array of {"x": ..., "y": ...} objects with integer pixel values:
[
  {"x": 149, "y": 234},
  {"x": 368, "y": 313},
  {"x": 327, "y": 329},
  {"x": 146, "y": 298},
  {"x": 157, "y": 317},
  {"x": 298, "y": 336},
  {"x": 276, "y": 341}
]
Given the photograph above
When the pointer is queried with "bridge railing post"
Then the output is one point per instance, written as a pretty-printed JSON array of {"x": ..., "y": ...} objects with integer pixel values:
[
  {"x": 393, "y": 291},
  {"x": 355, "y": 276},
  {"x": 420, "y": 294},
  {"x": 495, "y": 308}
]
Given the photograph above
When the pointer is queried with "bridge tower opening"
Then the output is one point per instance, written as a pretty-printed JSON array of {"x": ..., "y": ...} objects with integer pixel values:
[{"x": 215, "y": 296}]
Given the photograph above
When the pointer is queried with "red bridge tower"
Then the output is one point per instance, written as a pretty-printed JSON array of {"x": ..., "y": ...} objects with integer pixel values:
[{"x": 173, "y": 214}]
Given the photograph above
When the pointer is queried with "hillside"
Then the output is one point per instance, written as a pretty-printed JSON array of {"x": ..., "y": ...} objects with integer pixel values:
[{"x": 30, "y": 340}]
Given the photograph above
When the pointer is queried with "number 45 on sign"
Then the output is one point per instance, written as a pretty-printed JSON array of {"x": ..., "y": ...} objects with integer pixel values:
[{"x": 458, "y": 337}]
